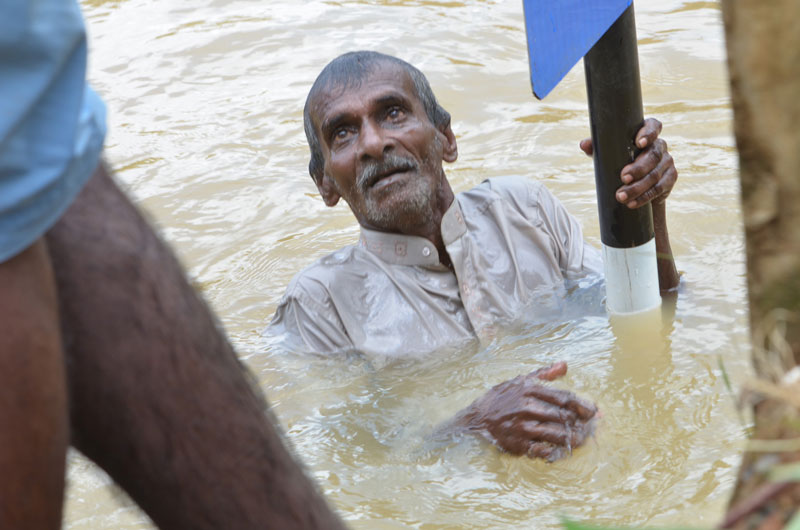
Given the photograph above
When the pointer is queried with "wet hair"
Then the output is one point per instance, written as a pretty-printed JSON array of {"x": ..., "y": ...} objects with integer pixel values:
[{"x": 348, "y": 71}]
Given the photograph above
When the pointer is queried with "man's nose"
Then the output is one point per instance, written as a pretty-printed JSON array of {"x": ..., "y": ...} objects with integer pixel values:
[{"x": 374, "y": 141}]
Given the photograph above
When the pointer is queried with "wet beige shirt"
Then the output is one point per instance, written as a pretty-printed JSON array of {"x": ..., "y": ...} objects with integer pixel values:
[{"x": 511, "y": 243}]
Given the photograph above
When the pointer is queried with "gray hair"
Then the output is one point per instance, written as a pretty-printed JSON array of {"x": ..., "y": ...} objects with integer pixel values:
[{"x": 349, "y": 70}]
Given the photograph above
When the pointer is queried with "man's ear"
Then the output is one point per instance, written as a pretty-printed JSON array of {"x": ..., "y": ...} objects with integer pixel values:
[
  {"x": 327, "y": 189},
  {"x": 449, "y": 146}
]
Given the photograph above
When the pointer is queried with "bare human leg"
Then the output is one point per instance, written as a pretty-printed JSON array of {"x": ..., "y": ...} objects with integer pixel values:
[
  {"x": 157, "y": 396},
  {"x": 33, "y": 407}
]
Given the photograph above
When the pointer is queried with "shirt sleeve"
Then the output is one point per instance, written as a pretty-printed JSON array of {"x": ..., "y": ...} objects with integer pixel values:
[
  {"x": 306, "y": 320},
  {"x": 575, "y": 257},
  {"x": 52, "y": 125}
]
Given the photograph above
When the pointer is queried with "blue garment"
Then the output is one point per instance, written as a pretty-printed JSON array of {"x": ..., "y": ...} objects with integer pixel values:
[{"x": 52, "y": 125}]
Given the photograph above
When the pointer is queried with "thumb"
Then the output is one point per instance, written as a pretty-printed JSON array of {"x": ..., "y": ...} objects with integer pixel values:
[
  {"x": 587, "y": 147},
  {"x": 549, "y": 373}
]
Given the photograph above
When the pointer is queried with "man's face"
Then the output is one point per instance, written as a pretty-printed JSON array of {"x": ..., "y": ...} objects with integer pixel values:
[{"x": 381, "y": 152}]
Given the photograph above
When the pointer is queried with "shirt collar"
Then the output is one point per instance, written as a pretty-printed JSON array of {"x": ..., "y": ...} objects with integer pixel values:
[
  {"x": 453, "y": 225},
  {"x": 399, "y": 249}
]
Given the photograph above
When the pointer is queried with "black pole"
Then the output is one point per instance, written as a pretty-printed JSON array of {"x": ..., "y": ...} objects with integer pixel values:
[{"x": 615, "y": 112}]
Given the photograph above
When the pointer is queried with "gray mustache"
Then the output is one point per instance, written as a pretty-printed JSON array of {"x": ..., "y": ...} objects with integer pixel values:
[{"x": 389, "y": 164}]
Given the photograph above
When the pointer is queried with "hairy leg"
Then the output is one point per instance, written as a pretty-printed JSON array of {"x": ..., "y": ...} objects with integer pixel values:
[
  {"x": 33, "y": 410},
  {"x": 157, "y": 395}
]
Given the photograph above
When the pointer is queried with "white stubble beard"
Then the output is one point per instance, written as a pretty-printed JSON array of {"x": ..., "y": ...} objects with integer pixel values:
[{"x": 420, "y": 196}]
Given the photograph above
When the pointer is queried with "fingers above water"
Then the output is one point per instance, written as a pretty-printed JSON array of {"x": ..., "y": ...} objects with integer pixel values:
[{"x": 565, "y": 399}]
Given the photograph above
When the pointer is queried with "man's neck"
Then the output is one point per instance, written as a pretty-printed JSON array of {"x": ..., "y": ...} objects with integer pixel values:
[{"x": 432, "y": 229}]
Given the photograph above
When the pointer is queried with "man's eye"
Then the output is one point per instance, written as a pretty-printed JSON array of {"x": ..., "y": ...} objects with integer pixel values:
[
  {"x": 340, "y": 133},
  {"x": 395, "y": 113}
]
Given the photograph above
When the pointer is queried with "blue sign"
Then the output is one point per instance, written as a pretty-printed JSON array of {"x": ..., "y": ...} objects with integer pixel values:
[{"x": 560, "y": 32}]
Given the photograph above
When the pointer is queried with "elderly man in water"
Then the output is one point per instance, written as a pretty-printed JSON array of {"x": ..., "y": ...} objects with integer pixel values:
[{"x": 434, "y": 269}]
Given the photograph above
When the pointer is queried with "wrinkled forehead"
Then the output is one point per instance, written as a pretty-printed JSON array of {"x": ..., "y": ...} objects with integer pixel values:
[{"x": 335, "y": 87}]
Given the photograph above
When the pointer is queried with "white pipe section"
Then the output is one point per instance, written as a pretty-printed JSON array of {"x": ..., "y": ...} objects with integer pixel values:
[{"x": 631, "y": 278}]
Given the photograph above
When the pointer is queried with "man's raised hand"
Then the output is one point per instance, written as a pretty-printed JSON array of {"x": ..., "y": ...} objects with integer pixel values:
[{"x": 649, "y": 178}]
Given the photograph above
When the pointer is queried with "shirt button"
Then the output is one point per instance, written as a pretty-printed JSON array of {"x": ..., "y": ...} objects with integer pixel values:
[{"x": 426, "y": 251}]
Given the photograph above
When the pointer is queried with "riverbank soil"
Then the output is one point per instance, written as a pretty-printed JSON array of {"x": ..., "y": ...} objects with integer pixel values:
[{"x": 763, "y": 47}]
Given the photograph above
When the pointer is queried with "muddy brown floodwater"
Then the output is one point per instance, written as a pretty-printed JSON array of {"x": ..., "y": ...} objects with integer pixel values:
[{"x": 205, "y": 112}]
